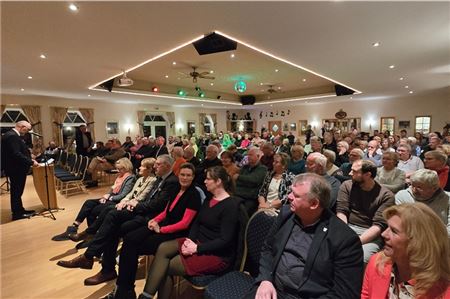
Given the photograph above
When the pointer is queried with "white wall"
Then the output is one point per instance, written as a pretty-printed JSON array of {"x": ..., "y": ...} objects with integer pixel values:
[
  {"x": 436, "y": 104},
  {"x": 403, "y": 109}
]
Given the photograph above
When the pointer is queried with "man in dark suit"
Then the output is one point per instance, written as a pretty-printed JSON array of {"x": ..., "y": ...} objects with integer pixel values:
[
  {"x": 84, "y": 141},
  {"x": 309, "y": 252},
  {"x": 16, "y": 160}
]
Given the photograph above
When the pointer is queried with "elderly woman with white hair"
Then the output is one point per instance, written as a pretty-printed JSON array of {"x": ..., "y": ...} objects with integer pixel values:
[
  {"x": 389, "y": 175},
  {"x": 342, "y": 153},
  {"x": 425, "y": 188}
]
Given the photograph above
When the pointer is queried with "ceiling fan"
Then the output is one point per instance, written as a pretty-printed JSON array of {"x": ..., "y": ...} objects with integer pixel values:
[
  {"x": 196, "y": 75},
  {"x": 271, "y": 88}
]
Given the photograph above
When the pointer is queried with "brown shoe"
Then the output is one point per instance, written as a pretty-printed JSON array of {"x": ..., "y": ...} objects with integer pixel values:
[
  {"x": 79, "y": 262},
  {"x": 100, "y": 277},
  {"x": 78, "y": 237}
]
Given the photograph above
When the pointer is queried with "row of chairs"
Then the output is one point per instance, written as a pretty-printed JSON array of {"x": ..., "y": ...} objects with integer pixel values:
[{"x": 70, "y": 172}]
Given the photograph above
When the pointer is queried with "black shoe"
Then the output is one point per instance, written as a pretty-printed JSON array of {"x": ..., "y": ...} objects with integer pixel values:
[
  {"x": 22, "y": 216},
  {"x": 91, "y": 184},
  {"x": 29, "y": 211},
  {"x": 65, "y": 235},
  {"x": 83, "y": 244}
]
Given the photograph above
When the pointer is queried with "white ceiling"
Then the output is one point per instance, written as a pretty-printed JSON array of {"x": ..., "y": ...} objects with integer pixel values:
[{"x": 333, "y": 39}]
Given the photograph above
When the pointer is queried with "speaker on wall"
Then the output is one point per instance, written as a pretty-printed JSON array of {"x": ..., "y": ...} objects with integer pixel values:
[
  {"x": 214, "y": 43},
  {"x": 342, "y": 90},
  {"x": 248, "y": 100}
]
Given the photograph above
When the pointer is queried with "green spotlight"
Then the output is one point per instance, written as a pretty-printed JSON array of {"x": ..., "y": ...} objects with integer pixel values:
[{"x": 181, "y": 93}]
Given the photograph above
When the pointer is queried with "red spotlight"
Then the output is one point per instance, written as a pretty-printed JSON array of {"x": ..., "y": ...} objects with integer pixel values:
[{"x": 155, "y": 89}]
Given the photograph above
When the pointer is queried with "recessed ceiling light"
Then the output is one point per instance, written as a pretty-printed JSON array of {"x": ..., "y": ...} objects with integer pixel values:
[
  {"x": 232, "y": 55},
  {"x": 212, "y": 84},
  {"x": 401, "y": 78},
  {"x": 89, "y": 95},
  {"x": 167, "y": 76},
  {"x": 202, "y": 105},
  {"x": 261, "y": 84},
  {"x": 22, "y": 89},
  {"x": 406, "y": 86},
  {"x": 270, "y": 104},
  {"x": 304, "y": 80},
  {"x": 29, "y": 77},
  {"x": 392, "y": 66},
  {"x": 42, "y": 56},
  {"x": 277, "y": 70},
  {"x": 306, "y": 102},
  {"x": 73, "y": 7},
  {"x": 351, "y": 98},
  {"x": 174, "y": 63},
  {"x": 376, "y": 44},
  {"x": 211, "y": 72},
  {"x": 411, "y": 91},
  {"x": 262, "y": 89}
]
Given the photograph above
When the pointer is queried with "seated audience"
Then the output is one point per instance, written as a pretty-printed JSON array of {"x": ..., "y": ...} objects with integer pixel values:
[
  {"x": 245, "y": 143},
  {"x": 355, "y": 155},
  {"x": 128, "y": 216},
  {"x": 276, "y": 185},
  {"x": 210, "y": 247},
  {"x": 332, "y": 169},
  {"x": 425, "y": 188},
  {"x": 316, "y": 145},
  {"x": 415, "y": 260},
  {"x": 104, "y": 163},
  {"x": 407, "y": 162},
  {"x": 267, "y": 157},
  {"x": 127, "y": 144},
  {"x": 52, "y": 150},
  {"x": 249, "y": 181},
  {"x": 285, "y": 147},
  {"x": 372, "y": 153},
  {"x": 93, "y": 207},
  {"x": 227, "y": 159},
  {"x": 342, "y": 153},
  {"x": 432, "y": 145},
  {"x": 317, "y": 163},
  {"x": 211, "y": 159},
  {"x": 172, "y": 223},
  {"x": 297, "y": 162},
  {"x": 361, "y": 202},
  {"x": 389, "y": 175},
  {"x": 237, "y": 156},
  {"x": 161, "y": 148},
  {"x": 437, "y": 161},
  {"x": 309, "y": 252},
  {"x": 386, "y": 146},
  {"x": 328, "y": 142},
  {"x": 177, "y": 155},
  {"x": 189, "y": 156}
]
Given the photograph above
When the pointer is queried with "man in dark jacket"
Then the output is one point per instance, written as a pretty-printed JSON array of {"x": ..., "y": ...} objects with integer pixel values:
[
  {"x": 309, "y": 252},
  {"x": 84, "y": 141},
  {"x": 16, "y": 161}
]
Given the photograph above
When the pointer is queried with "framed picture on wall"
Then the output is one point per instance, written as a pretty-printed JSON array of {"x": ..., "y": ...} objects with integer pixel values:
[
  {"x": 112, "y": 128},
  {"x": 404, "y": 124},
  {"x": 285, "y": 127}
]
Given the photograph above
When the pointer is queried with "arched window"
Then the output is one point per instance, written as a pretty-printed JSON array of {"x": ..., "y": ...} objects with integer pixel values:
[
  {"x": 72, "y": 120},
  {"x": 10, "y": 117}
]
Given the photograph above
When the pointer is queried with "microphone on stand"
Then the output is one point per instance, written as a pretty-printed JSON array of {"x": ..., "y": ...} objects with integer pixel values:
[{"x": 35, "y": 134}]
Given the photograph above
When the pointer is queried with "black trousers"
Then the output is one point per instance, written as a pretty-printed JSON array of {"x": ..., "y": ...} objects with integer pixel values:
[
  {"x": 98, "y": 221},
  {"x": 17, "y": 185},
  {"x": 140, "y": 241},
  {"x": 91, "y": 209},
  {"x": 106, "y": 239}
]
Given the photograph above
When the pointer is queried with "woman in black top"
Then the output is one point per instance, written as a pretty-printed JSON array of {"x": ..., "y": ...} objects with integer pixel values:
[
  {"x": 211, "y": 243},
  {"x": 170, "y": 224}
]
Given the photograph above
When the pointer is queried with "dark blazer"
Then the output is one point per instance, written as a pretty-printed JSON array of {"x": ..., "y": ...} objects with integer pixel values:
[
  {"x": 79, "y": 140},
  {"x": 16, "y": 158},
  {"x": 334, "y": 265},
  {"x": 158, "y": 196}
]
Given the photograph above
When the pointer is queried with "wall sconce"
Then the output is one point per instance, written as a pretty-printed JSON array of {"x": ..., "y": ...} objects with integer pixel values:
[{"x": 128, "y": 128}]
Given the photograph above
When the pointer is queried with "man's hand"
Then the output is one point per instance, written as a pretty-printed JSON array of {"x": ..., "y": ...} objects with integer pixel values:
[{"x": 266, "y": 290}]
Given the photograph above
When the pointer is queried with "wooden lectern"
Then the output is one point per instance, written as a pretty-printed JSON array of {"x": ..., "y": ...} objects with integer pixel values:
[{"x": 41, "y": 187}]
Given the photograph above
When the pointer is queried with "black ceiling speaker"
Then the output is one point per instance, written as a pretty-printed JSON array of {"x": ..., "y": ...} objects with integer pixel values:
[
  {"x": 342, "y": 90},
  {"x": 108, "y": 85},
  {"x": 214, "y": 43},
  {"x": 248, "y": 100}
]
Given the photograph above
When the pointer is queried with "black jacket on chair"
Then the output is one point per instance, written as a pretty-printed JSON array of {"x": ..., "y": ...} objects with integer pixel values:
[{"x": 334, "y": 265}]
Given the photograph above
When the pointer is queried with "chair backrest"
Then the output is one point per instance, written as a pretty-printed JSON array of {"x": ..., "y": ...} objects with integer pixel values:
[
  {"x": 71, "y": 161},
  {"x": 257, "y": 229},
  {"x": 240, "y": 249},
  {"x": 128, "y": 155},
  {"x": 76, "y": 167},
  {"x": 83, "y": 167},
  {"x": 63, "y": 158}
]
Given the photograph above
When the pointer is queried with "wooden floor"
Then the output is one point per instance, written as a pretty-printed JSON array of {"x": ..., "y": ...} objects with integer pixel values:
[{"x": 28, "y": 255}]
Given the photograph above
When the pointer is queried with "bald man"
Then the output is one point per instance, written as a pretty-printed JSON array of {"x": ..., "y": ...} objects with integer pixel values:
[{"x": 16, "y": 161}]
